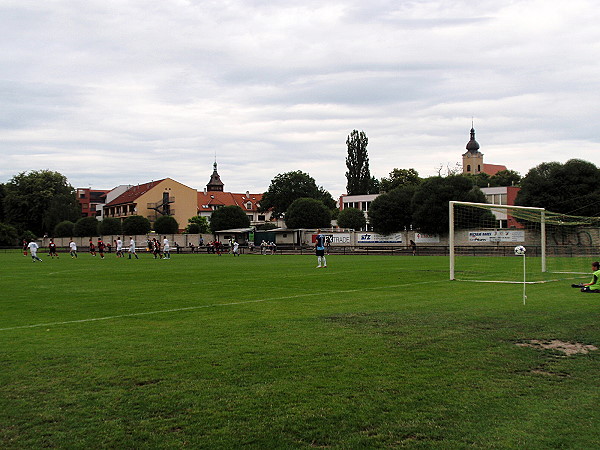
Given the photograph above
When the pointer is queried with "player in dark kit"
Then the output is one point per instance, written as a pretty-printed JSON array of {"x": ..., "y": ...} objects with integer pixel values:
[
  {"x": 52, "y": 249},
  {"x": 101, "y": 247},
  {"x": 92, "y": 248},
  {"x": 320, "y": 249}
]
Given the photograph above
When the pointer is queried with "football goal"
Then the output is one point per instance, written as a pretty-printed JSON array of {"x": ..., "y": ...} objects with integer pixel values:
[{"x": 482, "y": 240}]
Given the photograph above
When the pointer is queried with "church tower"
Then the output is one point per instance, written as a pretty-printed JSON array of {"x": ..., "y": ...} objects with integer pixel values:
[
  {"x": 215, "y": 184},
  {"x": 473, "y": 158}
]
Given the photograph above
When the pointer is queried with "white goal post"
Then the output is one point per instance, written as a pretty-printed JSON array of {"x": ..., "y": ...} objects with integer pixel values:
[
  {"x": 482, "y": 235},
  {"x": 499, "y": 211}
]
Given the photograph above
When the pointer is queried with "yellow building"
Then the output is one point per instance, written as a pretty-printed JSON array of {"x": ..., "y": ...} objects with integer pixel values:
[{"x": 164, "y": 197}]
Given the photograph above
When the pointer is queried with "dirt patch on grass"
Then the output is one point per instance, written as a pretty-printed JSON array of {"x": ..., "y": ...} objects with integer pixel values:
[{"x": 568, "y": 348}]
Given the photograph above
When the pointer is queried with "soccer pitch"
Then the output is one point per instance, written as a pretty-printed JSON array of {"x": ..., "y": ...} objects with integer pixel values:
[{"x": 270, "y": 352}]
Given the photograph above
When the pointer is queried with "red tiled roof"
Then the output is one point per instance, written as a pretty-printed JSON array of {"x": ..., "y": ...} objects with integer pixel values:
[
  {"x": 133, "y": 193},
  {"x": 208, "y": 199},
  {"x": 493, "y": 169}
]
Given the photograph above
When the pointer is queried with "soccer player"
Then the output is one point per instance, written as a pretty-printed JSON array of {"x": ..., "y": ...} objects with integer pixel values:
[
  {"x": 119, "y": 246},
  {"x": 320, "y": 249},
  {"x": 73, "y": 249},
  {"x": 155, "y": 248},
  {"x": 236, "y": 248},
  {"x": 132, "y": 248},
  {"x": 92, "y": 248},
  {"x": 25, "y": 246},
  {"x": 594, "y": 285},
  {"x": 33, "y": 248},
  {"x": 52, "y": 249},
  {"x": 101, "y": 248},
  {"x": 166, "y": 248}
]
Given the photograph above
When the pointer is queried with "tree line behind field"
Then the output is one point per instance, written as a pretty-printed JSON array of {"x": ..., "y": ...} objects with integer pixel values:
[{"x": 41, "y": 203}]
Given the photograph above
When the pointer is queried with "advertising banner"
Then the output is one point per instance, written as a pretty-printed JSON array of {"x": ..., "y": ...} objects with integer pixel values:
[
  {"x": 497, "y": 236},
  {"x": 376, "y": 238},
  {"x": 335, "y": 238},
  {"x": 424, "y": 238}
]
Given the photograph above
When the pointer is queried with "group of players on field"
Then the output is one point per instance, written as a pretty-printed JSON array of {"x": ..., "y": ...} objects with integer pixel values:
[{"x": 162, "y": 251}]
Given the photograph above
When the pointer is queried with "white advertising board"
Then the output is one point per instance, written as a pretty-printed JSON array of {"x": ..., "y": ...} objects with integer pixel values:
[
  {"x": 338, "y": 238},
  {"x": 424, "y": 238},
  {"x": 376, "y": 238},
  {"x": 497, "y": 236}
]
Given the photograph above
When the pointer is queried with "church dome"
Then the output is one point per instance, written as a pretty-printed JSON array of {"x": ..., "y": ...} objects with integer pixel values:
[{"x": 472, "y": 145}]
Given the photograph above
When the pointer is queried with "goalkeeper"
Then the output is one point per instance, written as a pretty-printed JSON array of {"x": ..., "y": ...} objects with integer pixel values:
[{"x": 594, "y": 285}]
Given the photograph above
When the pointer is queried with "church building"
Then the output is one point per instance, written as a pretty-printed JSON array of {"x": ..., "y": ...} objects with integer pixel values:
[{"x": 472, "y": 160}]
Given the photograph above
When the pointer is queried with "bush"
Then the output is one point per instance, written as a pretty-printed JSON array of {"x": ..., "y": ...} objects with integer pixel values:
[
  {"x": 86, "y": 226},
  {"x": 134, "y": 225},
  {"x": 229, "y": 217},
  {"x": 352, "y": 218},
  {"x": 8, "y": 235},
  {"x": 197, "y": 225},
  {"x": 193, "y": 228},
  {"x": 307, "y": 213},
  {"x": 266, "y": 227},
  {"x": 64, "y": 229},
  {"x": 110, "y": 226},
  {"x": 27, "y": 235},
  {"x": 166, "y": 225}
]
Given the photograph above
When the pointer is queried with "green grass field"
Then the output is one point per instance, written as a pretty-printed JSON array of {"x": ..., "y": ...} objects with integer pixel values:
[{"x": 268, "y": 352}]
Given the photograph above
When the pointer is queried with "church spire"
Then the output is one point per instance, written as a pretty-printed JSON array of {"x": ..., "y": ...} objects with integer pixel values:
[
  {"x": 472, "y": 145},
  {"x": 215, "y": 184}
]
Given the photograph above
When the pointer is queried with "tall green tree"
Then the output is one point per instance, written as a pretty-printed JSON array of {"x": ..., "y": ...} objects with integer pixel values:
[
  {"x": 38, "y": 200},
  {"x": 228, "y": 217},
  {"x": 399, "y": 178},
  {"x": 289, "y": 186},
  {"x": 571, "y": 188},
  {"x": 308, "y": 213},
  {"x": 359, "y": 179},
  {"x": 392, "y": 211},
  {"x": 431, "y": 199}
]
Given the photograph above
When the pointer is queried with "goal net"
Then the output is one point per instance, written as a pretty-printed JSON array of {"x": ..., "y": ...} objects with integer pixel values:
[{"x": 482, "y": 239}]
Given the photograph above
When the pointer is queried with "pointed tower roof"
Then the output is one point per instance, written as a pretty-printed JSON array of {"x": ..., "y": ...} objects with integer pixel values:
[{"x": 215, "y": 184}]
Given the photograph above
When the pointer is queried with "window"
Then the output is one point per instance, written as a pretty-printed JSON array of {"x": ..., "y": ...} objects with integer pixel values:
[
  {"x": 261, "y": 218},
  {"x": 468, "y": 167},
  {"x": 249, "y": 205}
]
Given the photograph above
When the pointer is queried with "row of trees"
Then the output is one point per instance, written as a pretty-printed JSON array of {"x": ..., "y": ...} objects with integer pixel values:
[
  {"x": 572, "y": 188},
  {"x": 41, "y": 202}
]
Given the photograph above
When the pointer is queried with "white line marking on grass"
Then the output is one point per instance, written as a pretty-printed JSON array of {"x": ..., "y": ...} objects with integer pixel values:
[{"x": 191, "y": 308}]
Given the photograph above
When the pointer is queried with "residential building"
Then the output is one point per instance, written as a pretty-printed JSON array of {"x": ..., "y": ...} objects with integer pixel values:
[
  {"x": 89, "y": 199},
  {"x": 155, "y": 199}
]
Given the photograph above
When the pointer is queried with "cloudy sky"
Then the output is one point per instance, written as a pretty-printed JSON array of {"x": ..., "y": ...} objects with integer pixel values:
[{"x": 113, "y": 92}]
